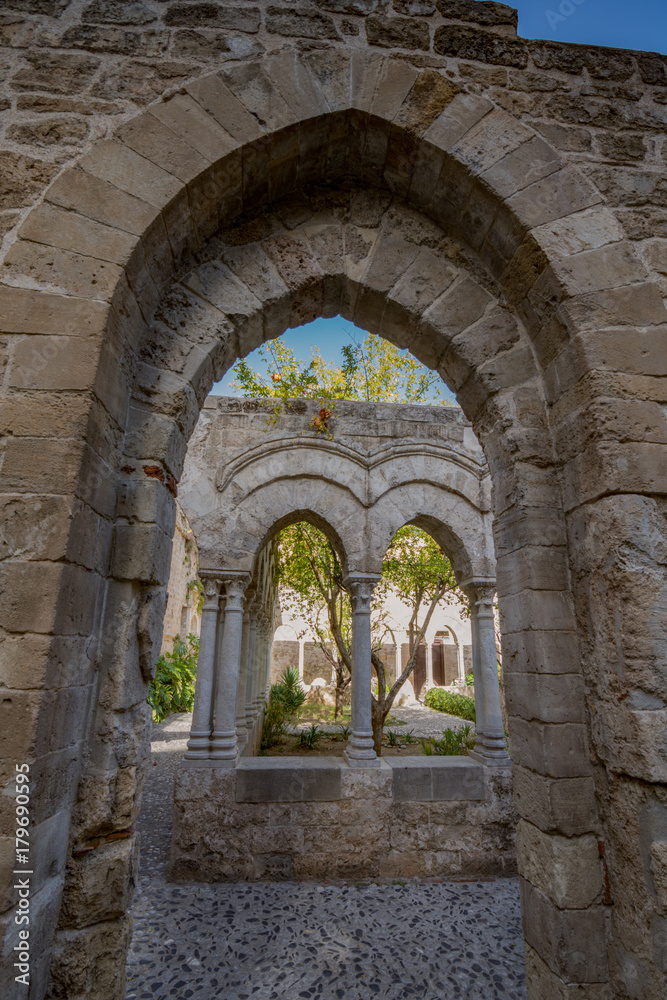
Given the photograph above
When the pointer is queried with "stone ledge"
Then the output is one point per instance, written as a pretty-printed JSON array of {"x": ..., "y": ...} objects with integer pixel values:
[
  {"x": 272, "y": 779},
  {"x": 295, "y": 779},
  {"x": 438, "y": 780}
]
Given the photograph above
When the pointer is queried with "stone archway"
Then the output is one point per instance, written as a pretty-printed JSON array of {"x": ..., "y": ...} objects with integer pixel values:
[{"x": 571, "y": 316}]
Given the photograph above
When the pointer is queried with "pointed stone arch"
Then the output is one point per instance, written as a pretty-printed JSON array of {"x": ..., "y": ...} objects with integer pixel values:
[{"x": 83, "y": 286}]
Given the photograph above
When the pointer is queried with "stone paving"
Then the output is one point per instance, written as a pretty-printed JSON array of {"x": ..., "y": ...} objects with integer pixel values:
[{"x": 424, "y": 940}]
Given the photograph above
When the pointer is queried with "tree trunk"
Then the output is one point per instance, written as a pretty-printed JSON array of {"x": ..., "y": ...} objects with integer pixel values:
[
  {"x": 379, "y": 707},
  {"x": 377, "y": 717},
  {"x": 339, "y": 699}
]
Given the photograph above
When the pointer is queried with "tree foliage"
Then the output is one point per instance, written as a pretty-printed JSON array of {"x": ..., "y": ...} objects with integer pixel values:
[
  {"x": 372, "y": 370},
  {"x": 311, "y": 576},
  {"x": 418, "y": 571},
  {"x": 415, "y": 568},
  {"x": 173, "y": 687}
]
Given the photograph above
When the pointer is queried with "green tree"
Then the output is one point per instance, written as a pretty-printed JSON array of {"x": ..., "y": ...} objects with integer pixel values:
[
  {"x": 417, "y": 570},
  {"x": 372, "y": 370},
  {"x": 311, "y": 576}
]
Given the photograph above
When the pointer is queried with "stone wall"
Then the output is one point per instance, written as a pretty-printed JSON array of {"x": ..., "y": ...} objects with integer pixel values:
[
  {"x": 319, "y": 819},
  {"x": 250, "y": 469},
  {"x": 74, "y": 71},
  {"x": 181, "y": 615},
  {"x": 284, "y": 655},
  {"x": 530, "y": 177}
]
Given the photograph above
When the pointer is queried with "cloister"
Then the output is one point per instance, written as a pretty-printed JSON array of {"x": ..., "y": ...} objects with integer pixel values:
[
  {"x": 250, "y": 470},
  {"x": 493, "y": 204}
]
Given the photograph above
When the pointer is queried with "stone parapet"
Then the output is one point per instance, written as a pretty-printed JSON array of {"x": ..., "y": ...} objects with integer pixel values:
[{"x": 319, "y": 818}]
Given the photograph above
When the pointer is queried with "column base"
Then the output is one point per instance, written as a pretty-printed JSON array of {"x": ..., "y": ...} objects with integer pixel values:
[
  {"x": 224, "y": 761},
  {"x": 501, "y": 759},
  {"x": 199, "y": 746},
  {"x": 370, "y": 761},
  {"x": 224, "y": 764},
  {"x": 224, "y": 746}
]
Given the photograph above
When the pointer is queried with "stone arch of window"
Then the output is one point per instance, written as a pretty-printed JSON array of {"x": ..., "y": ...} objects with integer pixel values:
[{"x": 578, "y": 317}]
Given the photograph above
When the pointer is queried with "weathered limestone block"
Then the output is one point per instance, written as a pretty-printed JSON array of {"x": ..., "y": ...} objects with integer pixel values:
[
  {"x": 572, "y": 942},
  {"x": 569, "y": 867},
  {"x": 22, "y": 177},
  {"x": 100, "y": 883},
  {"x": 554, "y": 750},
  {"x": 546, "y": 985},
  {"x": 555, "y": 698},
  {"x": 86, "y": 961}
]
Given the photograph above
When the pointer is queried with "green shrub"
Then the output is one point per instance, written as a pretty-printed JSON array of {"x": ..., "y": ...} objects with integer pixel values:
[
  {"x": 285, "y": 699},
  {"x": 173, "y": 688},
  {"x": 309, "y": 738},
  {"x": 289, "y": 693},
  {"x": 454, "y": 743},
  {"x": 470, "y": 680},
  {"x": 453, "y": 704}
]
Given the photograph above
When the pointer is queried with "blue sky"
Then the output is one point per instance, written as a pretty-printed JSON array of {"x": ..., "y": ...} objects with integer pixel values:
[{"x": 641, "y": 24}]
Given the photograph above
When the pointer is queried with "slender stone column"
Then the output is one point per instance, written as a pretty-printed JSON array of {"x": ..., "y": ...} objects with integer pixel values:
[
  {"x": 471, "y": 594},
  {"x": 260, "y": 660},
  {"x": 267, "y": 663},
  {"x": 199, "y": 744},
  {"x": 460, "y": 662},
  {"x": 224, "y": 748},
  {"x": 241, "y": 728},
  {"x": 360, "y": 751},
  {"x": 250, "y": 714},
  {"x": 429, "y": 665},
  {"x": 491, "y": 748}
]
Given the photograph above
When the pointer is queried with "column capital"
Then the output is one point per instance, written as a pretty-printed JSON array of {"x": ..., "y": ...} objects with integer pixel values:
[
  {"x": 211, "y": 591},
  {"x": 360, "y": 587},
  {"x": 480, "y": 591}
]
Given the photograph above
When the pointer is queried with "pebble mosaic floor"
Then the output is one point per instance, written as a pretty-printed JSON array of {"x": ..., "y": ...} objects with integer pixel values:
[{"x": 284, "y": 941}]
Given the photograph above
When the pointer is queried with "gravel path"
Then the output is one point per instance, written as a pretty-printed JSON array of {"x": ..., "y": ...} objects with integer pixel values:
[
  {"x": 419, "y": 720},
  {"x": 423, "y": 940}
]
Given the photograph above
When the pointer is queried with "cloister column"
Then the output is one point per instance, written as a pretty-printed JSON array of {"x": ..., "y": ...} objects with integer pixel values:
[
  {"x": 224, "y": 747},
  {"x": 199, "y": 744},
  {"x": 241, "y": 727},
  {"x": 250, "y": 714},
  {"x": 267, "y": 661},
  {"x": 429, "y": 664},
  {"x": 460, "y": 662},
  {"x": 490, "y": 746},
  {"x": 261, "y": 637},
  {"x": 360, "y": 751}
]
